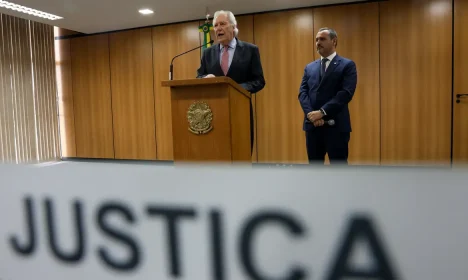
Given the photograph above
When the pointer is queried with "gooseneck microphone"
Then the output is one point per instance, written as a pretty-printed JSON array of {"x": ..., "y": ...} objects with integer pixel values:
[{"x": 171, "y": 68}]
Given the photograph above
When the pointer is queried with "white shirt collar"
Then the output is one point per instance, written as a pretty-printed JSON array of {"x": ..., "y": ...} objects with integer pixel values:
[
  {"x": 330, "y": 57},
  {"x": 232, "y": 44}
]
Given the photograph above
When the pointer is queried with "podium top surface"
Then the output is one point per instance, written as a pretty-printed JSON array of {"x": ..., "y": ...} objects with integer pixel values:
[{"x": 207, "y": 81}]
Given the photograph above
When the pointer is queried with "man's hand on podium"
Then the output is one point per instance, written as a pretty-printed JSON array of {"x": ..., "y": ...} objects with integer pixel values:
[{"x": 209, "y": 76}]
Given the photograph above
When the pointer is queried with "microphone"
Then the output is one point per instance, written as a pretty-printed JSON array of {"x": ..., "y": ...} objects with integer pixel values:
[
  {"x": 329, "y": 122},
  {"x": 171, "y": 68}
]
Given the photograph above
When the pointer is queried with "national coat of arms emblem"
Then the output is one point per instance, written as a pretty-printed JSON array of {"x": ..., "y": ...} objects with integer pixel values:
[{"x": 199, "y": 116}]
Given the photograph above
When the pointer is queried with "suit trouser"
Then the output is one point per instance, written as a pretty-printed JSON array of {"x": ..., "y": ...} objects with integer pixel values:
[{"x": 327, "y": 140}]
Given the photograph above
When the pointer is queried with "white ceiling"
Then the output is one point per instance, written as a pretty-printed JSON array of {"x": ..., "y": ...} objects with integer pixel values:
[{"x": 92, "y": 16}]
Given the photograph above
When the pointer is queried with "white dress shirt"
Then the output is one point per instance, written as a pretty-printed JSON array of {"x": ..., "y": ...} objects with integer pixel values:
[{"x": 330, "y": 58}]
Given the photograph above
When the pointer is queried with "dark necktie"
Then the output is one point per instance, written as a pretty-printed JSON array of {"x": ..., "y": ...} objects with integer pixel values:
[{"x": 323, "y": 68}]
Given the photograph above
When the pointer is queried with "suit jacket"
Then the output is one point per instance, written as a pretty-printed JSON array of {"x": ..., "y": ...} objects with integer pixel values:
[
  {"x": 246, "y": 68},
  {"x": 332, "y": 93}
]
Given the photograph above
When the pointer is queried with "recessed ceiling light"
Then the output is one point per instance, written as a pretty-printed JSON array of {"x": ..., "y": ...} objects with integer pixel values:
[
  {"x": 145, "y": 11},
  {"x": 26, "y": 10}
]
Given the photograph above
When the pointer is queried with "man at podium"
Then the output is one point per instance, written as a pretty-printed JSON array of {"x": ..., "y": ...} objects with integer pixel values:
[{"x": 233, "y": 58}]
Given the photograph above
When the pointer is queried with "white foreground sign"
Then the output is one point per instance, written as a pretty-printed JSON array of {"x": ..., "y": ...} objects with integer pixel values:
[{"x": 78, "y": 221}]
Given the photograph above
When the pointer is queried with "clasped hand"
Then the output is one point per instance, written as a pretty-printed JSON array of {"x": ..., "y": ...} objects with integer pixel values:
[{"x": 315, "y": 117}]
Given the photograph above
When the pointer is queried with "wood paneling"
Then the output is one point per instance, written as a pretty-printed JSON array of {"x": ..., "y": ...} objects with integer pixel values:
[
  {"x": 415, "y": 69},
  {"x": 92, "y": 96},
  {"x": 245, "y": 25},
  {"x": 246, "y": 33},
  {"x": 348, "y": 21},
  {"x": 169, "y": 41},
  {"x": 287, "y": 44},
  {"x": 460, "y": 113},
  {"x": 131, "y": 63},
  {"x": 65, "y": 98}
]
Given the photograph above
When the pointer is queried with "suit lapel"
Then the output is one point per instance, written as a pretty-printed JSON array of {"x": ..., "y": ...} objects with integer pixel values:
[
  {"x": 331, "y": 67},
  {"x": 238, "y": 53},
  {"x": 317, "y": 70}
]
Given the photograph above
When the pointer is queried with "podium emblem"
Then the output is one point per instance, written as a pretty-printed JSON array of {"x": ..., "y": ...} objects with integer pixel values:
[{"x": 199, "y": 116}]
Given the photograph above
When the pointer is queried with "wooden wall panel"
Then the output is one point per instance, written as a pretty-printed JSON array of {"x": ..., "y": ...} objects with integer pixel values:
[
  {"x": 460, "y": 113},
  {"x": 131, "y": 63},
  {"x": 245, "y": 25},
  {"x": 287, "y": 45},
  {"x": 363, "y": 49},
  {"x": 65, "y": 97},
  {"x": 416, "y": 69},
  {"x": 92, "y": 96},
  {"x": 246, "y": 33},
  {"x": 169, "y": 41}
]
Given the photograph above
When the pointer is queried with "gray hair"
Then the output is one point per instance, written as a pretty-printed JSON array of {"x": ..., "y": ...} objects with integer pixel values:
[
  {"x": 331, "y": 32},
  {"x": 231, "y": 18}
]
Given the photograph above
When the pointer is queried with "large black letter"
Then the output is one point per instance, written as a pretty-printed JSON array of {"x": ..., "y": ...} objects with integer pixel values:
[
  {"x": 134, "y": 259},
  {"x": 254, "y": 223},
  {"x": 172, "y": 214},
  {"x": 77, "y": 255},
  {"x": 217, "y": 245},
  {"x": 30, "y": 247},
  {"x": 361, "y": 227}
]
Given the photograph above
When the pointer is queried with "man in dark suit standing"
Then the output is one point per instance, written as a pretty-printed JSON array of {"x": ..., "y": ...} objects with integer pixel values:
[
  {"x": 233, "y": 58},
  {"x": 327, "y": 87}
]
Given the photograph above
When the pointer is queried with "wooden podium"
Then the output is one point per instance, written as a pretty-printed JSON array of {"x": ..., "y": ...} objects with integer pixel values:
[{"x": 210, "y": 120}]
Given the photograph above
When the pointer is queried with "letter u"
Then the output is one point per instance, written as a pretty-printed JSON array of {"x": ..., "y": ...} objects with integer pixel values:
[{"x": 77, "y": 254}]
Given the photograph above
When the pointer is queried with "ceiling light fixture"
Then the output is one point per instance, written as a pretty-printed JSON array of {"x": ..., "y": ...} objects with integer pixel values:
[
  {"x": 145, "y": 11},
  {"x": 26, "y": 10}
]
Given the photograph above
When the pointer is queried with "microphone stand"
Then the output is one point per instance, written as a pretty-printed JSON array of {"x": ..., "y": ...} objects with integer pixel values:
[{"x": 171, "y": 67}]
